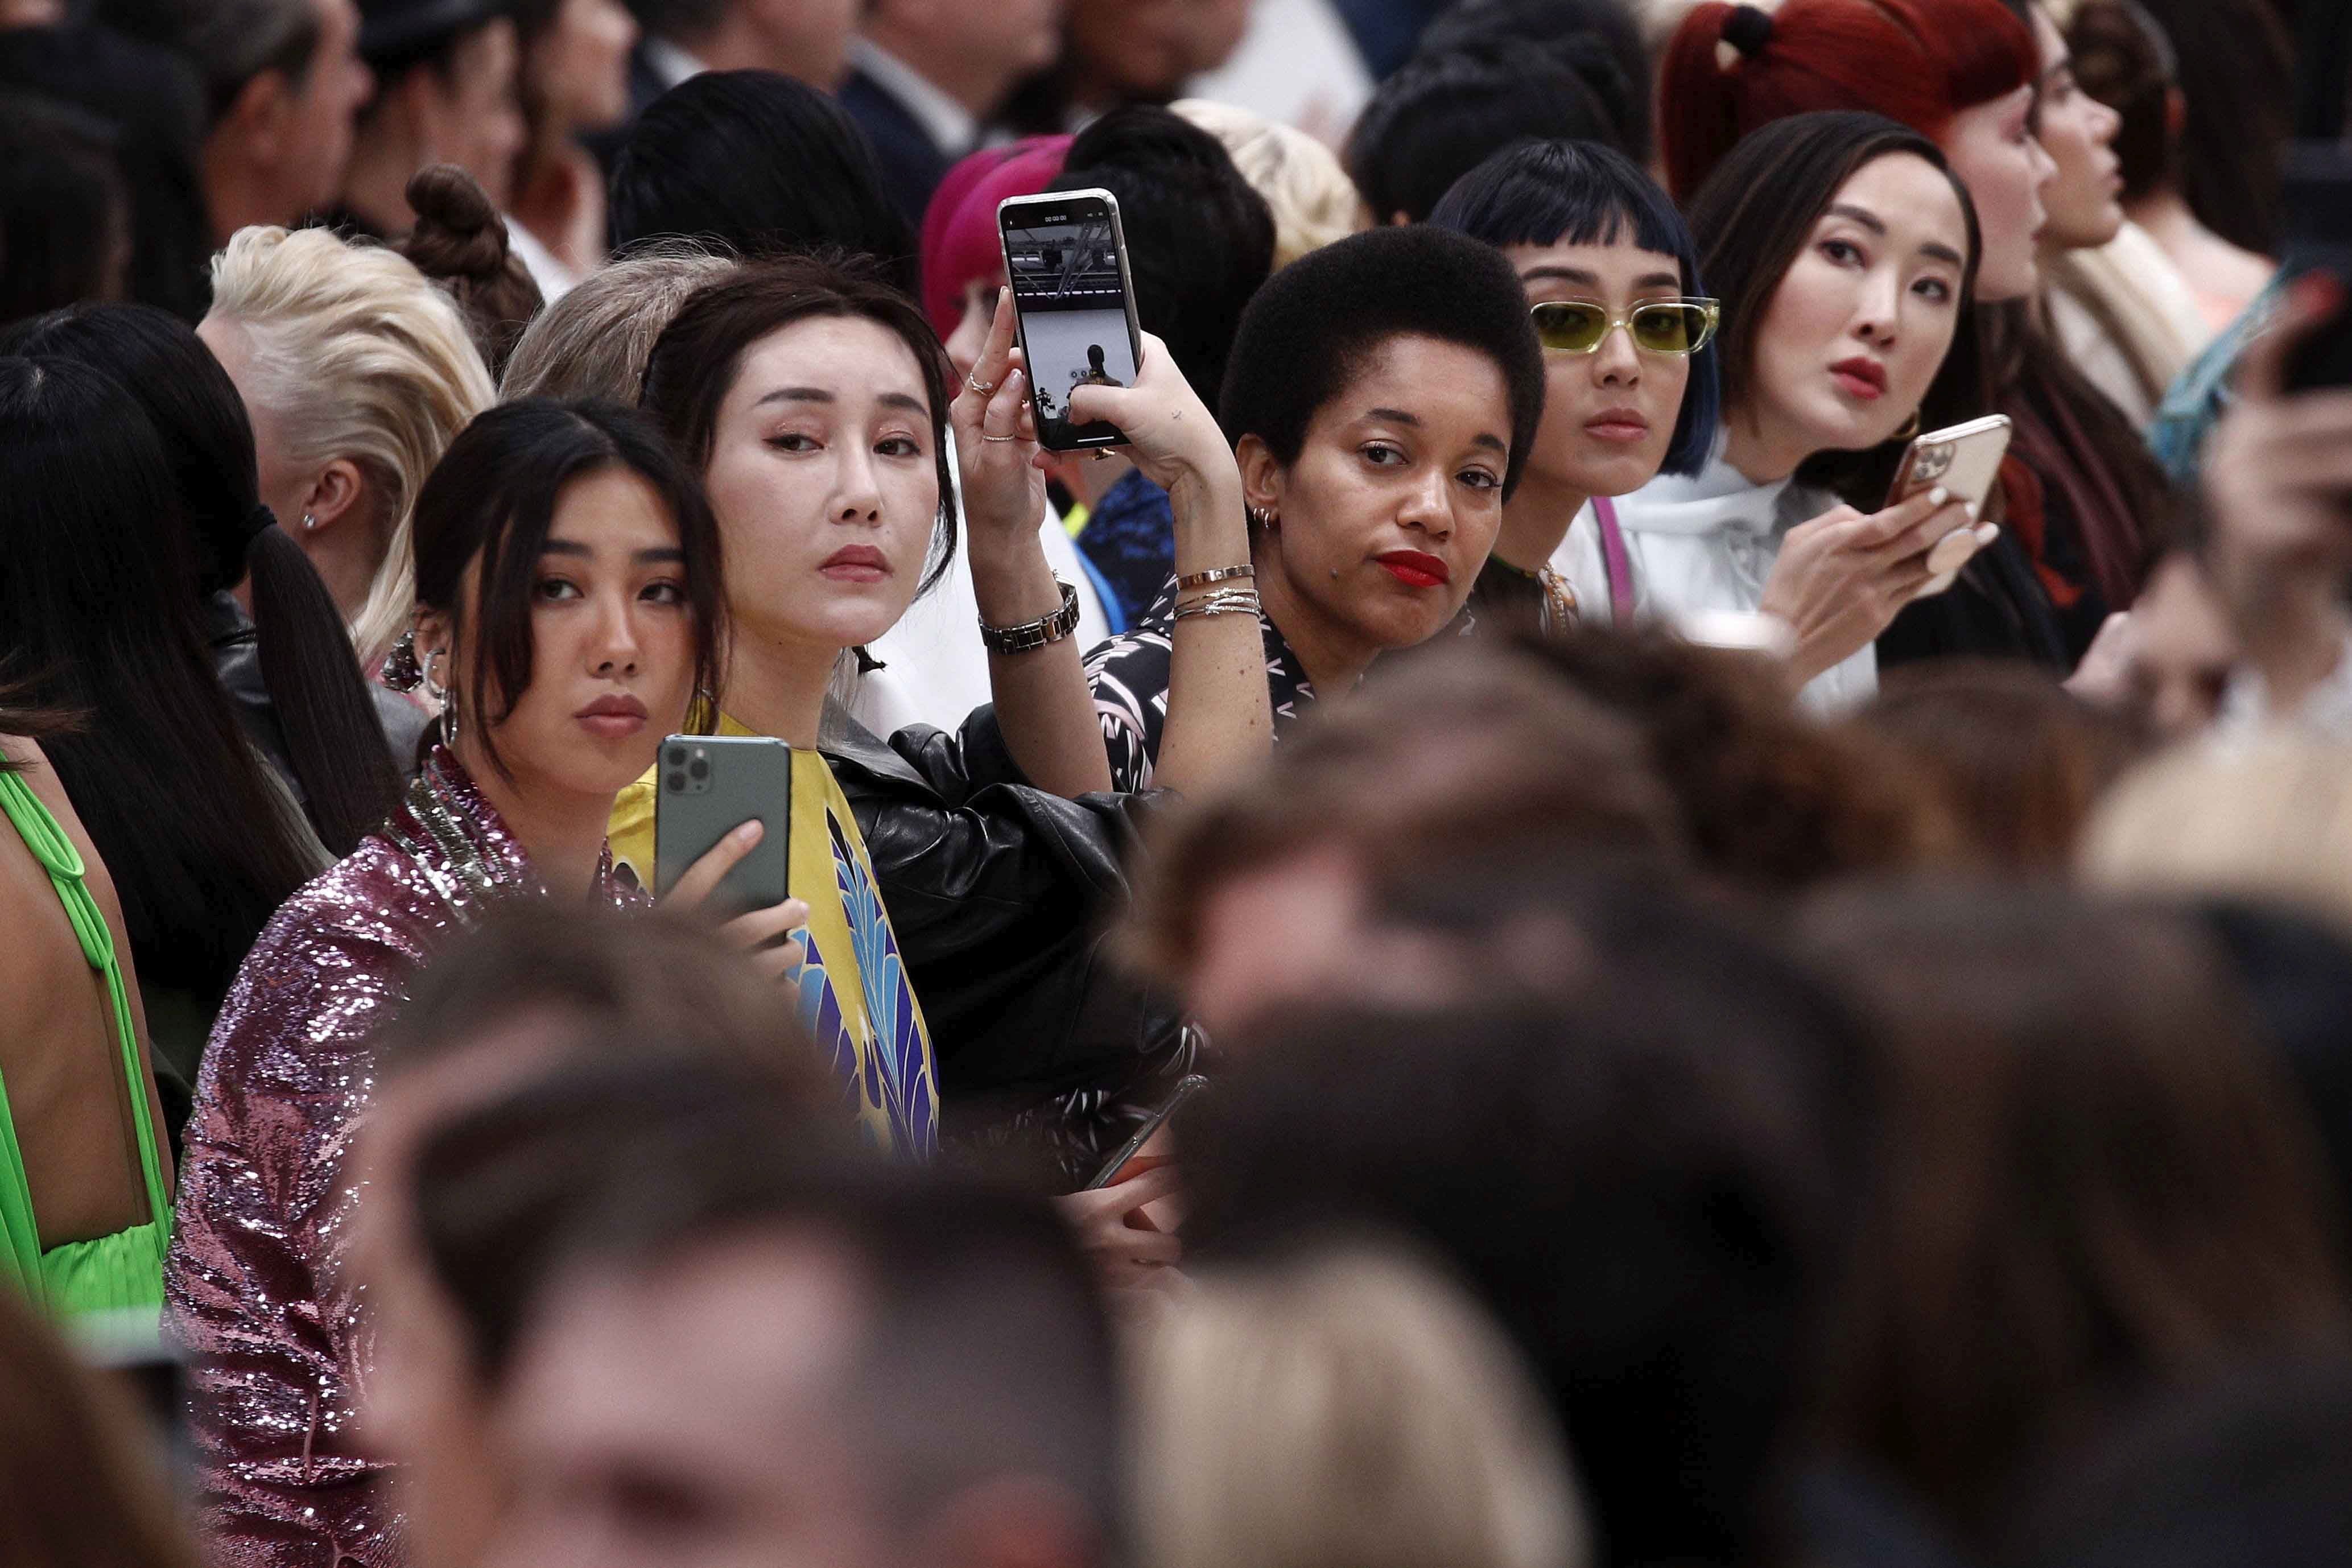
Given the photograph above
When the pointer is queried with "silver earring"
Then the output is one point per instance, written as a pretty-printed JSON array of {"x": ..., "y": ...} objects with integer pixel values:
[
  {"x": 1261, "y": 518},
  {"x": 309, "y": 523}
]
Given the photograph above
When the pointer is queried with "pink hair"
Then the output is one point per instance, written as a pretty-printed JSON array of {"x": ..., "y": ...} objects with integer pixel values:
[{"x": 960, "y": 243}]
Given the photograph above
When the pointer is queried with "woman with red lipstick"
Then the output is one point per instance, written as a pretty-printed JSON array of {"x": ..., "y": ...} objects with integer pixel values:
[
  {"x": 1600, "y": 248},
  {"x": 1845, "y": 250},
  {"x": 2080, "y": 495},
  {"x": 1382, "y": 396},
  {"x": 569, "y": 611}
]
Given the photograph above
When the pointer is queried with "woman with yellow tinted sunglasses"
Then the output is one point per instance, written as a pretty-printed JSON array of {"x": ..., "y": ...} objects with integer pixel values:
[{"x": 1630, "y": 382}]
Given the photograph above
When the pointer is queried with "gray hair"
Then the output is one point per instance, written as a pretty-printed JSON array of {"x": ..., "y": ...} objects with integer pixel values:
[{"x": 595, "y": 339}]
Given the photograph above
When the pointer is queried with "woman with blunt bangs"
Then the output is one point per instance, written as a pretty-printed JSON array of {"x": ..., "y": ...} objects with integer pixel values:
[
  {"x": 570, "y": 610},
  {"x": 1599, "y": 247},
  {"x": 1846, "y": 251},
  {"x": 340, "y": 743},
  {"x": 814, "y": 402},
  {"x": 1382, "y": 396}
]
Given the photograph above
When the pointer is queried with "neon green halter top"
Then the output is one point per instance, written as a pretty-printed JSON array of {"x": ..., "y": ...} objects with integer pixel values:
[{"x": 122, "y": 1273}]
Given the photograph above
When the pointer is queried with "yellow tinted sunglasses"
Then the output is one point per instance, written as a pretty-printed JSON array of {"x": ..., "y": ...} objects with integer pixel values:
[{"x": 1656, "y": 326}]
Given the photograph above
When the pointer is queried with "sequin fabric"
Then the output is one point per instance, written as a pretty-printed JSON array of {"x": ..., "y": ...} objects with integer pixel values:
[{"x": 276, "y": 1339}]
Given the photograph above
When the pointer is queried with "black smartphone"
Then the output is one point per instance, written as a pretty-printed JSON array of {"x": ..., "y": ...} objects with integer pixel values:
[
  {"x": 707, "y": 786},
  {"x": 2318, "y": 204},
  {"x": 1187, "y": 1087},
  {"x": 1074, "y": 305}
]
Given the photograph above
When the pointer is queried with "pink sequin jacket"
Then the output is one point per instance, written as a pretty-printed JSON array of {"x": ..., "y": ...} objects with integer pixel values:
[{"x": 272, "y": 1334}]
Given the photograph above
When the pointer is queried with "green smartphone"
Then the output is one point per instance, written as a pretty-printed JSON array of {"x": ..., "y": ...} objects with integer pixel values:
[{"x": 708, "y": 786}]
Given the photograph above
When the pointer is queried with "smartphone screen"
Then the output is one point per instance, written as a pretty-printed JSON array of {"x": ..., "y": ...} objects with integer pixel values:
[{"x": 1064, "y": 258}]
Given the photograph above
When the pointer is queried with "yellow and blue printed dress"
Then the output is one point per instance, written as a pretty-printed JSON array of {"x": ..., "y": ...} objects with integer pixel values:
[{"x": 854, "y": 1001}]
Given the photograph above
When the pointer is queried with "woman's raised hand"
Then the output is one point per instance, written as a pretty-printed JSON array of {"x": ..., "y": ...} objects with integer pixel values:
[
  {"x": 997, "y": 455},
  {"x": 1170, "y": 435},
  {"x": 1844, "y": 577},
  {"x": 760, "y": 933}
]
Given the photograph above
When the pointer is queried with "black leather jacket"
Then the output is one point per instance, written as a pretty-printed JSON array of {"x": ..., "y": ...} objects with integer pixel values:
[{"x": 1002, "y": 896}]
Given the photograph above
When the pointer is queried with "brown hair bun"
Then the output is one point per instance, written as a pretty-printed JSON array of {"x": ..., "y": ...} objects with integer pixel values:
[{"x": 460, "y": 242}]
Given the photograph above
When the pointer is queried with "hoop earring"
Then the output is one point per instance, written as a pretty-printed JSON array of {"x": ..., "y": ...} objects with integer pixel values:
[
  {"x": 1264, "y": 519},
  {"x": 1910, "y": 428}
]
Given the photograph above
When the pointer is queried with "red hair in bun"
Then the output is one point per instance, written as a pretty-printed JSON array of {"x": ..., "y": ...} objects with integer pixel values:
[{"x": 1731, "y": 68}]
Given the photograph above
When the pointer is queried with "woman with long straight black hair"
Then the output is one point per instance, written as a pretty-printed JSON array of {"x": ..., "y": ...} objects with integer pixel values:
[
  {"x": 99, "y": 621},
  {"x": 339, "y": 742}
]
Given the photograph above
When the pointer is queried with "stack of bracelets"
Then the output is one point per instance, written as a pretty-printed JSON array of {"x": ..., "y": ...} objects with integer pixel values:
[{"x": 1239, "y": 601}]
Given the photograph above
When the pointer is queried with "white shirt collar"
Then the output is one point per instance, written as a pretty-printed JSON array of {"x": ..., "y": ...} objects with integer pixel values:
[
  {"x": 949, "y": 124},
  {"x": 671, "y": 65}
]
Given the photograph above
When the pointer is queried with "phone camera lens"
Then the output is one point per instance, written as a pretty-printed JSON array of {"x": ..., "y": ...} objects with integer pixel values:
[
  {"x": 676, "y": 782},
  {"x": 677, "y": 756},
  {"x": 700, "y": 768}
]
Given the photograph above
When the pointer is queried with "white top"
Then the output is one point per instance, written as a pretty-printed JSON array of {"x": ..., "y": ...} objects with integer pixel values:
[
  {"x": 2247, "y": 710},
  {"x": 1700, "y": 547},
  {"x": 949, "y": 124},
  {"x": 554, "y": 279},
  {"x": 936, "y": 669}
]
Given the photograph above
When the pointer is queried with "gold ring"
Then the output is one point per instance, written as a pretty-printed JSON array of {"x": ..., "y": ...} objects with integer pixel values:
[{"x": 984, "y": 391}]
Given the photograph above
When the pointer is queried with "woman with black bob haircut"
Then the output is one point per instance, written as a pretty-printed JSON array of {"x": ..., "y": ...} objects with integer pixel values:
[
  {"x": 570, "y": 611},
  {"x": 1846, "y": 252},
  {"x": 1382, "y": 398},
  {"x": 339, "y": 741},
  {"x": 954, "y": 881},
  {"x": 756, "y": 163},
  {"x": 99, "y": 623},
  {"x": 1599, "y": 246}
]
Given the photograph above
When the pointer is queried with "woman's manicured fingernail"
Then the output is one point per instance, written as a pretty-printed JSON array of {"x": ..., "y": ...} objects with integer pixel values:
[
  {"x": 1940, "y": 495},
  {"x": 1987, "y": 532}
]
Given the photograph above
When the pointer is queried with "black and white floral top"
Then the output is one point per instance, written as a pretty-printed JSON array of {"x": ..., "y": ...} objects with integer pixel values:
[{"x": 1130, "y": 677}]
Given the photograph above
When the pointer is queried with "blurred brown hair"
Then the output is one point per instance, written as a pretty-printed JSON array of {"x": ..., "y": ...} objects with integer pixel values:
[
  {"x": 74, "y": 1489},
  {"x": 1459, "y": 753},
  {"x": 1770, "y": 799},
  {"x": 460, "y": 242},
  {"x": 2090, "y": 1180},
  {"x": 2019, "y": 761}
]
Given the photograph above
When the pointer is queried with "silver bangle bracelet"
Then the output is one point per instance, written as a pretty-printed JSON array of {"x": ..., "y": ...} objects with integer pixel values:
[{"x": 1224, "y": 602}]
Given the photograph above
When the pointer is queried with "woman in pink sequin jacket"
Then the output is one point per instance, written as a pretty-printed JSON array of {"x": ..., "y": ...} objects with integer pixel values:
[{"x": 570, "y": 610}]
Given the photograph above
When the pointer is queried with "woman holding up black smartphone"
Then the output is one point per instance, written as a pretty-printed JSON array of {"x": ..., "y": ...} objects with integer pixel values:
[{"x": 1382, "y": 395}]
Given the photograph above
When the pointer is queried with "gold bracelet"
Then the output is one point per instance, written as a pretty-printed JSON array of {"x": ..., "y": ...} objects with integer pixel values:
[{"x": 1219, "y": 574}]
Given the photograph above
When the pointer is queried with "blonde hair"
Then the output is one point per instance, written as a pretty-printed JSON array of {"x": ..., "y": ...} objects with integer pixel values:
[
  {"x": 1348, "y": 1408},
  {"x": 355, "y": 355},
  {"x": 594, "y": 341},
  {"x": 1314, "y": 201},
  {"x": 2272, "y": 821}
]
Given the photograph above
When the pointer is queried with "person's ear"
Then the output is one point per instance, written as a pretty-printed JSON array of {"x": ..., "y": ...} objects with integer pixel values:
[
  {"x": 261, "y": 115},
  {"x": 434, "y": 633},
  {"x": 1400, "y": 219},
  {"x": 338, "y": 494},
  {"x": 1262, "y": 477},
  {"x": 1009, "y": 1521},
  {"x": 2176, "y": 114}
]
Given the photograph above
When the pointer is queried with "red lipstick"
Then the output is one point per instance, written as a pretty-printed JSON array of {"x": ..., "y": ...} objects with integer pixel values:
[
  {"x": 1416, "y": 569},
  {"x": 1862, "y": 377}
]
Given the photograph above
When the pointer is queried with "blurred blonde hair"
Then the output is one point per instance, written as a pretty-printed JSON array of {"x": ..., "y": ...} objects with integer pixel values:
[
  {"x": 1350, "y": 1408},
  {"x": 594, "y": 341},
  {"x": 2271, "y": 821},
  {"x": 1314, "y": 201},
  {"x": 356, "y": 354}
]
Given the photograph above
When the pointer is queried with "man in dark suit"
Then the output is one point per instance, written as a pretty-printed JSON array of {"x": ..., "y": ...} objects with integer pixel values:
[
  {"x": 926, "y": 76},
  {"x": 679, "y": 38}
]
